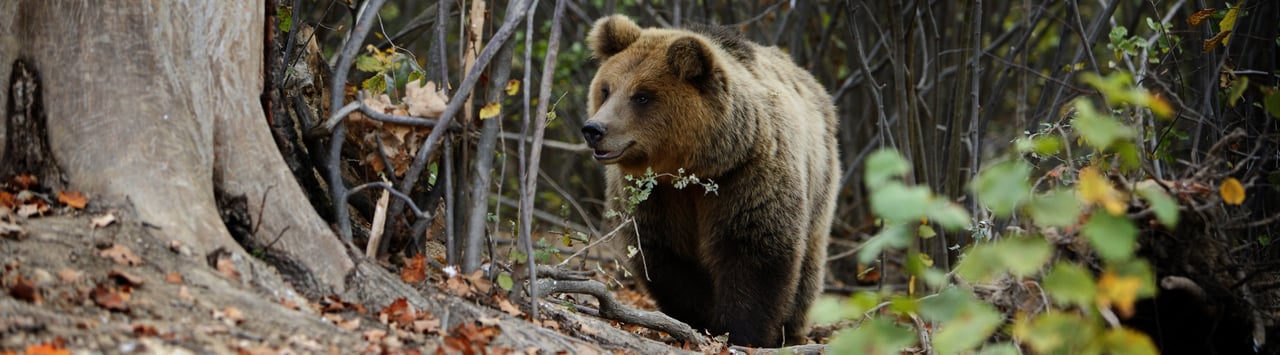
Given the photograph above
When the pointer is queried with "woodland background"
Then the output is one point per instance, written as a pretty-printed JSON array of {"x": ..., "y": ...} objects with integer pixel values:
[{"x": 1037, "y": 129}]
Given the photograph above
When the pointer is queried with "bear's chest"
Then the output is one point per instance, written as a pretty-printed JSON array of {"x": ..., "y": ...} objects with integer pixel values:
[{"x": 675, "y": 220}]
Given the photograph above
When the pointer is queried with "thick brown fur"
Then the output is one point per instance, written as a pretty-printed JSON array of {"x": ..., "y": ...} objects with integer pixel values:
[{"x": 749, "y": 259}]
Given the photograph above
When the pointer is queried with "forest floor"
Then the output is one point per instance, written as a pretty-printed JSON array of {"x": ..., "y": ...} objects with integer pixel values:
[{"x": 101, "y": 281}]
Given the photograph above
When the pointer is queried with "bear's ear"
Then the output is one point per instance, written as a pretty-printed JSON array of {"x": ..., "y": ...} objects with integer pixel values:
[
  {"x": 611, "y": 35},
  {"x": 690, "y": 59}
]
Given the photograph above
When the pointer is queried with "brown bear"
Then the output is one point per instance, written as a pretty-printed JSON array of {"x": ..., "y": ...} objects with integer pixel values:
[{"x": 748, "y": 259}]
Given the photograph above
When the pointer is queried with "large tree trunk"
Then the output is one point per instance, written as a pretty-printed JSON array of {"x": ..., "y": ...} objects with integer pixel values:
[{"x": 157, "y": 103}]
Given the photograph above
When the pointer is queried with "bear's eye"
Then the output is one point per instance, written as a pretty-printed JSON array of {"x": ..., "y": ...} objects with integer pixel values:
[
  {"x": 640, "y": 99},
  {"x": 604, "y": 93}
]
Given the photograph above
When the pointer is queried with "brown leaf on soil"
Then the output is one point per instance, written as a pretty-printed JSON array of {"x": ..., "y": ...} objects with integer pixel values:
[
  {"x": 103, "y": 220},
  {"x": 427, "y": 326},
  {"x": 479, "y": 282},
  {"x": 26, "y": 290},
  {"x": 145, "y": 330},
  {"x": 7, "y": 201},
  {"x": 458, "y": 286},
  {"x": 110, "y": 298},
  {"x": 183, "y": 294},
  {"x": 415, "y": 270},
  {"x": 121, "y": 255},
  {"x": 399, "y": 311},
  {"x": 69, "y": 275},
  {"x": 54, "y": 348},
  {"x": 125, "y": 277},
  {"x": 25, "y": 181},
  {"x": 349, "y": 324},
  {"x": 75, "y": 199},
  {"x": 173, "y": 277},
  {"x": 506, "y": 306},
  {"x": 374, "y": 335},
  {"x": 30, "y": 209},
  {"x": 229, "y": 315},
  {"x": 228, "y": 268}
]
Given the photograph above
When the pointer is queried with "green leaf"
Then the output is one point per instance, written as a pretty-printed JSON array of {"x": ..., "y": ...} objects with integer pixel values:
[
  {"x": 964, "y": 321},
  {"x": 1165, "y": 207},
  {"x": 369, "y": 64},
  {"x": 1128, "y": 341},
  {"x": 882, "y": 165},
  {"x": 925, "y": 231},
  {"x": 892, "y": 236},
  {"x": 1070, "y": 284},
  {"x": 875, "y": 337},
  {"x": 1057, "y": 208},
  {"x": 980, "y": 264},
  {"x": 999, "y": 349},
  {"x": 375, "y": 84},
  {"x": 1058, "y": 333},
  {"x": 898, "y": 202},
  {"x": 1272, "y": 103},
  {"x": 1113, "y": 237},
  {"x": 284, "y": 15},
  {"x": 826, "y": 310},
  {"x": 948, "y": 214},
  {"x": 1024, "y": 255},
  {"x": 1237, "y": 90},
  {"x": 1002, "y": 187},
  {"x": 1098, "y": 130},
  {"x": 505, "y": 282}
]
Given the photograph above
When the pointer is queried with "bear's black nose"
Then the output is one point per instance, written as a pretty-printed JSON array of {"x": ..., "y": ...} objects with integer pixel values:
[{"x": 592, "y": 132}]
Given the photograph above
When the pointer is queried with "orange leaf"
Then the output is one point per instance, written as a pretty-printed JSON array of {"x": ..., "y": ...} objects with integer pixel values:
[
  {"x": 1213, "y": 42},
  {"x": 1118, "y": 291},
  {"x": 1096, "y": 189},
  {"x": 6, "y": 200},
  {"x": 1199, "y": 16},
  {"x": 1232, "y": 192},
  {"x": 25, "y": 181},
  {"x": 75, "y": 199},
  {"x": 414, "y": 270},
  {"x": 46, "y": 349}
]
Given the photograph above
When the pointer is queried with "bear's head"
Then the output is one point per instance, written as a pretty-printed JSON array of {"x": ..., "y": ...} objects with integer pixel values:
[{"x": 660, "y": 100}]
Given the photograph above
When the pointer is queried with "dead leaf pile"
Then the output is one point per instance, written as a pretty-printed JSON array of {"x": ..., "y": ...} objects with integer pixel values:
[
  {"x": 23, "y": 196},
  {"x": 402, "y": 315},
  {"x": 399, "y": 143}
]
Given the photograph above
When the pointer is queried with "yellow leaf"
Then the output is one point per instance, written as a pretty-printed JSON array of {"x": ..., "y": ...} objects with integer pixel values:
[
  {"x": 1095, "y": 189},
  {"x": 1228, "y": 23},
  {"x": 490, "y": 110},
  {"x": 513, "y": 87},
  {"x": 1118, "y": 291},
  {"x": 1232, "y": 192}
]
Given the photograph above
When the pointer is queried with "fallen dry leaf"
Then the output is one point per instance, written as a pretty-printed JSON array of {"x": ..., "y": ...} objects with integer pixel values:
[
  {"x": 399, "y": 311},
  {"x": 25, "y": 181},
  {"x": 54, "y": 348},
  {"x": 69, "y": 275},
  {"x": 488, "y": 321},
  {"x": 26, "y": 290},
  {"x": 374, "y": 335},
  {"x": 458, "y": 286},
  {"x": 28, "y": 210},
  {"x": 424, "y": 100},
  {"x": 426, "y": 326},
  {"x": 110, "y": 298},
  {"x": 349, "y": 324},
  {"x": 103, "y": 220},
  {"x": 480, "y": 282},
  {"x": 127, "y": 278},
  {"x": 415, "y": 270},
  {"x": 7, "y": 201},
  {"x": 121, "y": 255},
  {"x": 75, "y": 199},
  {"x": 228, "y": 268},
  {"x": 506, "y": 306},
  {"x": 183, "y": 294},
  {"x": 173, "y": 277},
  {"x": 229, "y": 315}
]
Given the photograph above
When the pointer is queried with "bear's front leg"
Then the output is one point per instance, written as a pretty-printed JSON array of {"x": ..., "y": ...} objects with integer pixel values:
[{"x": 756, "y": 258}]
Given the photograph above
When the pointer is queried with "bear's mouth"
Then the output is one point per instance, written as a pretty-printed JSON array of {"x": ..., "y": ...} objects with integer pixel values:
[{"x": 606, "y": 156}]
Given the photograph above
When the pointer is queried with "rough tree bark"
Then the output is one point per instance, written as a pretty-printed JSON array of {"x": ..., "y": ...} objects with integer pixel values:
[{"x": 156, "y": 103}]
